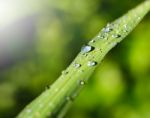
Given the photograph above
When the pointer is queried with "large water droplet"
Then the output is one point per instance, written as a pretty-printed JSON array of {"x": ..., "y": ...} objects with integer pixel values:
[
  {"x": 86, "y": 49},
  {"x": 92, "y": 63}
]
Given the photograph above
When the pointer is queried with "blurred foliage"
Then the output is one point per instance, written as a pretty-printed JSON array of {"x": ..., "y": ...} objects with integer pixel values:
[{"x": 119, "y": 88}]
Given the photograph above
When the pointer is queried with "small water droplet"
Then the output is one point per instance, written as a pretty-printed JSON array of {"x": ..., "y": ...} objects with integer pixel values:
[
  {"x": 92, "y": 63},
  {"x": 114, "y": 44},
  {"x": 68, "y": 98},
  {"x": 125, "y": 26},
  {"x": 77, "y": 65},
  {"x": 102, "y": 36},
  {"x": 92, "y": 41},
  {"x": 82, "y": 82},
  {"x": 85, "y": 54},
  {"x": 116, "y": 35},
  {"x": 108, "y": 28},
  {"x": 64, "y": 72},
  {"x": 47, "y": 87},
  {"x": 139, "y": 18},
  {"x": 86, "y": 49},
  {"x": 82, "y": 71}
]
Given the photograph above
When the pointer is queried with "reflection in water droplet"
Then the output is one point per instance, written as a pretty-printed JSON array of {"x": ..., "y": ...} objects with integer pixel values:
[
  {"x": 86, "y": 49},
  {"x": 92, "y": 63}
]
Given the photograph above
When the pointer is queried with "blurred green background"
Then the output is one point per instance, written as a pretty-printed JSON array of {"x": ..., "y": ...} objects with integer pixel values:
[{"x": 39, "y": 39}]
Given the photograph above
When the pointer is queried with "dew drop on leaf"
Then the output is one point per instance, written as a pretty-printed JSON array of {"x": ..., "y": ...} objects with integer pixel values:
[
  {"x": 64, "y": 72},
  {"x": 92, "y": 63},
  {"x": 47, "y": 87},
  {"x": 86, "y": 49},
  {"x": 92, "y": 41},
  {"x": 82, "y": 82},
  {"x": 116, "y": 35},
  {"x": 68, "y": 98},
  {"x": 77, "y": 65}
]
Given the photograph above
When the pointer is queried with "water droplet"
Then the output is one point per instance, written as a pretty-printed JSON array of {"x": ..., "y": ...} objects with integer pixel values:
[
  {"x": 114, "y": 44},
  {"x": 64, "y": 72},
  {"x": 85, "y": 54},
  {"x": 101, "y": 36},
  {"x": 68, "y": 98},
  {"x": 125, "y": 26},
  {"x": 76, "y": 65},
  {"x": 139, "y": 18},
  {"x": 108, "y": 28},
  {"x": 92, "y": 41},
  {"x": 116, "y": 35},
  {"x": 86, "y": 49},
  {"x": 92, "y": 63},
  {"x": 82, "y": 71},
  {"x": 47, "y": 87},
  {"x": 82, "y": 82},
  {"x": 98, "y": 36}
]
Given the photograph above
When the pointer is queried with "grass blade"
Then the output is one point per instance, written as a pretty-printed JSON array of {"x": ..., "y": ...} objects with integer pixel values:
[{"x": 65, "y": 89}]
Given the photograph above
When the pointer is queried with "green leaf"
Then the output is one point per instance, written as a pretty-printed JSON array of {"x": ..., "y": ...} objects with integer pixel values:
[{"x": 54, "y": 101}]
